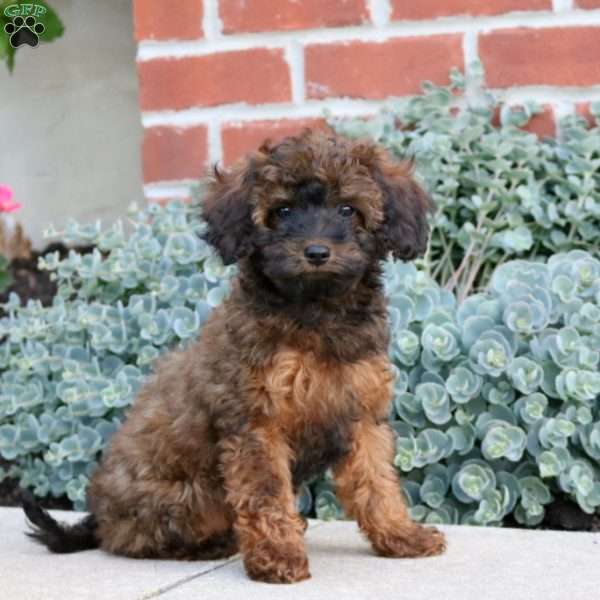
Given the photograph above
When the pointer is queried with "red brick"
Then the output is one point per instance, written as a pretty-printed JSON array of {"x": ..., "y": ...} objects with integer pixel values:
[
  {"x": 164, "y": 200},
  {"x": 557, "y": 56},
  {"x": 169, "y": 153},
  {"x": 158, "y": 20},
  {"x": 376, "y": 70},
  {"x": 591, "y": 4},
  {"x": 583, "y": 110},
  {"x": 241, "y": 138},
  {"x": 542, "y": 124},
  {"x": 252, "y": 76},
  {"x": 411, "y": 10},
  {"x": 272, "y": 15}
]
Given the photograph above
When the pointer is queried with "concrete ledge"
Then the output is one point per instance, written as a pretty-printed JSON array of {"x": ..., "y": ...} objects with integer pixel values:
[{"x": 480, "y": 564}]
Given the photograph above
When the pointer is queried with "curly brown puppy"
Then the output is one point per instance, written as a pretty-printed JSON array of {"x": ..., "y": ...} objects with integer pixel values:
[{"x": 290, "y": 375}]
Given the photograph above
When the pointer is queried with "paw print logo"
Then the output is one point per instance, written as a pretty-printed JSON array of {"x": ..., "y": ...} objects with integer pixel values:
[{"x": 24, "y": 31}]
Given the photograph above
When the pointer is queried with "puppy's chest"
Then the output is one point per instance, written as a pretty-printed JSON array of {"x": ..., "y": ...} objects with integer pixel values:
[
  {"x": 299, "y": 389},
  {"x": 316, "y": 404}
]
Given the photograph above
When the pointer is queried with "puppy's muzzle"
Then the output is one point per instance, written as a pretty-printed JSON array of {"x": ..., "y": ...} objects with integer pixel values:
[{"x": 317, "y": 254}]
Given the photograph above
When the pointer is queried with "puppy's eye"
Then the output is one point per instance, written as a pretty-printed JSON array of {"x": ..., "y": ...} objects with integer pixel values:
[
  {"x": 346, "y": 210},
  {"x": 283, "y": 212}
]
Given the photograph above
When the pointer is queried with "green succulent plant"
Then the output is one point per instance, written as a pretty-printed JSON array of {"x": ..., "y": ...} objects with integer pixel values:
[
  {"x": 70, "y": 371},
  {"x": 516, "y": 410},
  {"x": 501, "y": 193}
]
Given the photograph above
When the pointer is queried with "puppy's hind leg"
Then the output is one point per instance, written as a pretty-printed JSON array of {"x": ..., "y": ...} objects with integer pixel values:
[
  {"x": 219, "y": 545},
  {"x": 145, "y": 537},
  {"x": 165, "y": 519}
]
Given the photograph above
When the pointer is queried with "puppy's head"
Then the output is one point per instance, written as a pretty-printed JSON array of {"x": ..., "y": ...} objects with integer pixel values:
[{"x": 314, "y": 212}]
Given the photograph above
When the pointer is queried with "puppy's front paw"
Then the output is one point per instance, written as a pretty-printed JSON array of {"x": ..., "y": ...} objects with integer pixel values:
[
  {"x": 272, "y": 564},
  {"x": 414, "y": 542}
]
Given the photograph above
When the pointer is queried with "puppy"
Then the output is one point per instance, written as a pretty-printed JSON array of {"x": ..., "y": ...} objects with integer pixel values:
[{"x": 290, "y": 375}]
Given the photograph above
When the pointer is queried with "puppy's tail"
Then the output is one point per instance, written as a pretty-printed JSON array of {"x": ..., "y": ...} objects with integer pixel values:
[{"x": 58, "y": 537}]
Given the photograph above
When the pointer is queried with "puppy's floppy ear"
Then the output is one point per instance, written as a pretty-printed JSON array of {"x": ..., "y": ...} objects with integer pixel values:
[
  {"x": 227, "y": 210},
  {"x": 404, "y": 230}
]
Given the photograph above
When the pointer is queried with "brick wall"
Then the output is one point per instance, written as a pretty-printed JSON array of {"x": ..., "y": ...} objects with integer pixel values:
[{"x": 218, "y": 76}]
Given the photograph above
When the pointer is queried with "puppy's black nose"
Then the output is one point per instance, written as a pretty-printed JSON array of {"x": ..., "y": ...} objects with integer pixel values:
[{"x": 316, "y": 254}]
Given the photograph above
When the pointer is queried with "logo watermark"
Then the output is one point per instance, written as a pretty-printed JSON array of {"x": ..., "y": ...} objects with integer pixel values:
[{"x": 25, "y": 27}]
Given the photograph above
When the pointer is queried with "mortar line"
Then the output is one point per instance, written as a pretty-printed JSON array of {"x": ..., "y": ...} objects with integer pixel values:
[{"x": 366, "y": 33}]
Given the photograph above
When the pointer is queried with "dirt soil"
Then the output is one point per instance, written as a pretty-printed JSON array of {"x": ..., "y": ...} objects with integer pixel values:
[{"x": 28, "y": 282}]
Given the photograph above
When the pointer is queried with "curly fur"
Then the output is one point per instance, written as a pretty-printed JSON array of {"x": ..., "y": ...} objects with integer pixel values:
[{"x": 289, "y": 376}]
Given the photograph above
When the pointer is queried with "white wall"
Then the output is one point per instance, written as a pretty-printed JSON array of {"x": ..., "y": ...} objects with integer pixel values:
[{"x": 70, "y": 129}]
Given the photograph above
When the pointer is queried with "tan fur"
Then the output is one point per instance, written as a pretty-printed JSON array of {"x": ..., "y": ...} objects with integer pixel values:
[{"x": 368, "y": 487}]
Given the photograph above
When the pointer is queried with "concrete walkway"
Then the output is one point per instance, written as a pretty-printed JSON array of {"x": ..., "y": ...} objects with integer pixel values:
[{"x": 480, "y": 564}]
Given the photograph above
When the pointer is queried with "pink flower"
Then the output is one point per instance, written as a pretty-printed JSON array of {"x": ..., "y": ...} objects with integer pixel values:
[{"x": 6, "y": 202}]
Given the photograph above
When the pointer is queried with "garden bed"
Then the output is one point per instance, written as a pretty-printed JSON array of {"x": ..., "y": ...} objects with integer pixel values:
[
  {"x": 30, "y": 283},
  {"x": 562, "y": 515},
  {"x": 9, "y": 494}
]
